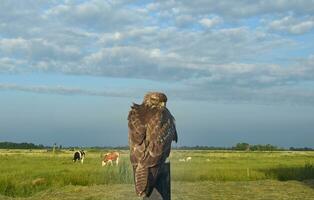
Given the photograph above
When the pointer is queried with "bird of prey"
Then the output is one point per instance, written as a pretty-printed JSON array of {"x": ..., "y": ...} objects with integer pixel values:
[{"x": 151, "y": 131}]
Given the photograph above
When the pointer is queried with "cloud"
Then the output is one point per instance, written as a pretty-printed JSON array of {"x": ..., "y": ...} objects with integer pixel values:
[
  {"x": 292, "y": 25},
  {"x": 235, "y": 9},
  {"x": 184, "y": 21},
  {"x": 280, "y": 95},
  {"x": 61, "y": 90},
  {"x": 275, "y": 95},
  {"x": 96, "y": 15},
  {"x": 210, "y": 22},
  {"x": 223, "y": 44},
  {"x": 37, "y": 49},
  {"x": 9, "y": 65}
]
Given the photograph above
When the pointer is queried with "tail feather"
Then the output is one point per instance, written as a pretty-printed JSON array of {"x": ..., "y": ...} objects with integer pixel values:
[{"x": 141, "y": 178}]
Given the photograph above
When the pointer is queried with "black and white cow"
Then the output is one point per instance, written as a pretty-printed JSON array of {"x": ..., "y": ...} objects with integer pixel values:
[{"x": 79, "y": 155}]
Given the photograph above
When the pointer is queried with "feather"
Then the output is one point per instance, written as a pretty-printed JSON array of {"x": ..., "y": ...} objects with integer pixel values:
[
  {"x": 141, "y": 178},
  {"x": 151, "y": 131}
]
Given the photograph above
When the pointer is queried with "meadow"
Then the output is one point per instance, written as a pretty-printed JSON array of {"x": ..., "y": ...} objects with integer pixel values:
[{"x": 40, "y": 174}]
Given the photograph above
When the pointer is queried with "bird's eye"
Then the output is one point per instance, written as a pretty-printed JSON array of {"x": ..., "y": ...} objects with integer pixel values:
[{"x": 154, "y": 99}]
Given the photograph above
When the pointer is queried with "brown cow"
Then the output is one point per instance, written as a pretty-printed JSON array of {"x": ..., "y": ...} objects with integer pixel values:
[{"x": 110, "y": 157}]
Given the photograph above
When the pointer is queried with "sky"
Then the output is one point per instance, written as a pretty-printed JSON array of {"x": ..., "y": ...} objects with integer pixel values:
[{"x": 233, "y": 71}]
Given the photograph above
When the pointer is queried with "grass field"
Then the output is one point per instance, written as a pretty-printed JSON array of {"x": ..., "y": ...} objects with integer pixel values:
[{"x": 35, "y": 175}]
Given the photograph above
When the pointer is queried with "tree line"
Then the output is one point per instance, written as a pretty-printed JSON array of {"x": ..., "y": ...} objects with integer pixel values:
[
  {"x": 257, "y": 147},
  {"x": 238, "y": 147},
  {"x": 243, "y": 146},
  {"x": 23, "y": 145}
]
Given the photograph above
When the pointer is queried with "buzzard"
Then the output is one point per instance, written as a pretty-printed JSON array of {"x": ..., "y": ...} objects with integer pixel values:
[{"x": 151, "y": 131}]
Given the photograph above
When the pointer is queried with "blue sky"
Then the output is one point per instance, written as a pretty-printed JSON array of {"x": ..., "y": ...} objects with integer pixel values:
[{"x": 234, "y": 71}]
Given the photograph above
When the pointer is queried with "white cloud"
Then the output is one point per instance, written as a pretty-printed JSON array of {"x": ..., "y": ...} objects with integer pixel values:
[
  {"x": 162, "y": 41},
  {"x": 236, "y": 9},
  {"x": 9, "y": 65},
  {"x": 11, "y": 45},
  {"x": 37, "y": 49},
  {"x": 61, "y": 90},
  {"x": 295, "y": 95},
  {"x": 155, "y": 53},
  {"x": 96, "y": 15},
  {"x": 292, "y": 25},
  {"x": 210, "y": 22},
  {"x": 184, "y": 20}
]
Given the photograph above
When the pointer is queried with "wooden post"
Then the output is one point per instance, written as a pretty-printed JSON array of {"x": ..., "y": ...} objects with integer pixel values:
[{"x": 162, "y": 191}]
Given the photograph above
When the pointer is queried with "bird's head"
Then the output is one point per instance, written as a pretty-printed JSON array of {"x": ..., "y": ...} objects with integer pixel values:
[{"x": 155, "y": 99}]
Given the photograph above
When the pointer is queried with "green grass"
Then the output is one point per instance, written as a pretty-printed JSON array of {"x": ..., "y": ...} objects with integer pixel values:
[
  {"x": 23, "y": 174},
  {"x": 206, "y": 190},
  {"x": 242, "y": 166},
  {"x": 35, "y": 174}
]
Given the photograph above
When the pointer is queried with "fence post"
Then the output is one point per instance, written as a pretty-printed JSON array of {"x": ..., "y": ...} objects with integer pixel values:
[{"x": 162, "y": 190}]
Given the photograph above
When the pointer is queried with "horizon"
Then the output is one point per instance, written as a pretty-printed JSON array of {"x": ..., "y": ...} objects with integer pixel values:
[
  {"x": 60, "y": 146},
  {"x": 232, "y": 71}
]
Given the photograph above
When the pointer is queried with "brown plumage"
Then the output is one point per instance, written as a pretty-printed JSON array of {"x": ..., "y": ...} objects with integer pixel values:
[{"x": 151, "y": 131}]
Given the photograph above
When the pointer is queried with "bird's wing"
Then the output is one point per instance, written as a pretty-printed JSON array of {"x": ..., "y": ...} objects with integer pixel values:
[
  {"x": 150, "y": 135},
  {"x": 137, "y": 134},
  {"x": 160, "y": 132}
]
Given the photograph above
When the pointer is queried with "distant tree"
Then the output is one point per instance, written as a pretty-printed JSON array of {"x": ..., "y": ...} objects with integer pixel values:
[
  {"x": 242, "y": 146},
  {"x": 301, "y": 149},
  {"x": 257, "y": 147},
  {"x": 23, "y": 145}
]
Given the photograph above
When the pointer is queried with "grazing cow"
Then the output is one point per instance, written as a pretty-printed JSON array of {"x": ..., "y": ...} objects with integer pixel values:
[
  {"x": 182, "y": 160},
  {"x": 110, "y": 157},
  {"x": 188, "y": 159},
  {"x": 79, "y": 155}
]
